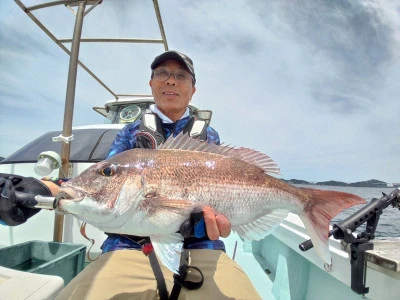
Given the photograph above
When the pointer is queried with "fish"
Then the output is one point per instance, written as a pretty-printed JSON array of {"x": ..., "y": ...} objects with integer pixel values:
[{"x": 151, "y": 192}]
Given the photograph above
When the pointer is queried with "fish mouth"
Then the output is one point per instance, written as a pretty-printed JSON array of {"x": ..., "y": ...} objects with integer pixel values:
[
  {"x": 66, "y": 196},
  {"x": 76, "y": 202}
]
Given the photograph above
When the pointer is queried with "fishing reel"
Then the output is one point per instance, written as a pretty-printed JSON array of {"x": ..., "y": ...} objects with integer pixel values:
[{"x": 370, "y": 213}]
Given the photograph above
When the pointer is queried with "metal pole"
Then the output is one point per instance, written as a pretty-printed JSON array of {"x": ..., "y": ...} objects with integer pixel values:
[
  {"x": 69, "y": 110},
  {"x": 160, "y": 24}
]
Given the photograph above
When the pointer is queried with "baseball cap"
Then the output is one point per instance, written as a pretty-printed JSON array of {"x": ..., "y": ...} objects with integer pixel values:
[{"x": 175, "y": 55}]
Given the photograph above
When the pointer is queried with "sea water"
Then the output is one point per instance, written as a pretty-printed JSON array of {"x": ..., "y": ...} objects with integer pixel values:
[{"x": 387, "y": 226}]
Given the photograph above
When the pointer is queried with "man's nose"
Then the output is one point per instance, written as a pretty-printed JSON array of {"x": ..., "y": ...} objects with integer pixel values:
[{"x": 171, "y": 79}]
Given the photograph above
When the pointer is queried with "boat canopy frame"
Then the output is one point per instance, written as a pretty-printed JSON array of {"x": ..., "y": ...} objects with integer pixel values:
[
  {"x": 61, "y": 41},
  {"x": 66, "y": 137}
]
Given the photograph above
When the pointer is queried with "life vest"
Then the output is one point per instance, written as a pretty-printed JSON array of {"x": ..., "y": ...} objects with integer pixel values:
[{"x": 151, "y": 133}]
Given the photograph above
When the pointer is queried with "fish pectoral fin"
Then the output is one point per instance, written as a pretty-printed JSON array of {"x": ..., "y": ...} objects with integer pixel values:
[
  {"x": 163, "y": 210},
  {"x": 261, "y": 227},
  {"x": 168, "y": 250},
  {"x": 164, "y": 201}
]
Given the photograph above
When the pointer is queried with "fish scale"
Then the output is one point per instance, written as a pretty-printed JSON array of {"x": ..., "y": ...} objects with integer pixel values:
[{"x": 151, "y": 193}]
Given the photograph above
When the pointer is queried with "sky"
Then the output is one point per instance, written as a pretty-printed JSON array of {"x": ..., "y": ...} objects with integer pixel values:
[{"x": 314, "y": 84}]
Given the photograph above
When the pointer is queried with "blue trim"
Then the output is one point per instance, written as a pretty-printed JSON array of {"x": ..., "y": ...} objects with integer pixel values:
[
  {"x": 210, "y": 245},
  {"x": 200, "y": 229},
  {"x": 119, "y": 242}
]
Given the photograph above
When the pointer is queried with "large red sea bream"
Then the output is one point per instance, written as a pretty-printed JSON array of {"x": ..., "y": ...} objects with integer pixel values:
[{"x": 152, "y": 192}]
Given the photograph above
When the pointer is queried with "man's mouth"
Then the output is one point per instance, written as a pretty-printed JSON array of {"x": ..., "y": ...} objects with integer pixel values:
[{"x": 170, "y": 94}]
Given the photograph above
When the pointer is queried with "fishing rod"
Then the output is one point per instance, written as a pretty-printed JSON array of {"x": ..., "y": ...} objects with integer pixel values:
[{"x": 369, "y": 213}]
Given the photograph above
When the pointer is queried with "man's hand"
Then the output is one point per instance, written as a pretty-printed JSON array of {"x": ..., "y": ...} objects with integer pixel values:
[
  {"x": 206, "y": 222},
  {"x": 11, "y": 212},
  {"x": 216, "y": 225}
]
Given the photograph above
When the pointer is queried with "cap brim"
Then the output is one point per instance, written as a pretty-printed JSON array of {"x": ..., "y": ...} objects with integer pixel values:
[{"x": 166, "y": 56}]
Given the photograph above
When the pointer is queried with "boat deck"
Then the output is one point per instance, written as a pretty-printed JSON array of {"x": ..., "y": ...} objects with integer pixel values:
[{"x": 386, "y": 254}]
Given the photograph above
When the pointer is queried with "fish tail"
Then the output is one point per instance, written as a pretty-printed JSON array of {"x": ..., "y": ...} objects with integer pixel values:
[{"x": 319, "y": 209}]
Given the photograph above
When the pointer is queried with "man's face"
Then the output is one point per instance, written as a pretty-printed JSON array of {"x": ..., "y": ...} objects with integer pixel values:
[{"x": 172, "y": 96}]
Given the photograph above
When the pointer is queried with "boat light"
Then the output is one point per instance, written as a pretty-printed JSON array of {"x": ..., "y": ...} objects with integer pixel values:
[{"x": 47, "y": 162}]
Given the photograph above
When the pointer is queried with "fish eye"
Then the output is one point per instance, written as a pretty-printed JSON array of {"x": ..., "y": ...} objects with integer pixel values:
[{"x": 108, "y": 171}]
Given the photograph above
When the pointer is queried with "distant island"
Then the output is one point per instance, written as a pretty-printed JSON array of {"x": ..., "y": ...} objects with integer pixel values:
[{"x": 367, "y": 183}]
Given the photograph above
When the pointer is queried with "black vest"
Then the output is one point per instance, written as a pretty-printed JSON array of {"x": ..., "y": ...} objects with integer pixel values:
[{"x": 151, "y": 133}]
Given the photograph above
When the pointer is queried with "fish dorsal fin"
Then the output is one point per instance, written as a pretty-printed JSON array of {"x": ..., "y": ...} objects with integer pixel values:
[{"x": 185, "y": 142}]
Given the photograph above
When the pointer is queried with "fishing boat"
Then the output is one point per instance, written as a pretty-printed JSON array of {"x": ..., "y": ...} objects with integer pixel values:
[{"x": 46, "y": 252}]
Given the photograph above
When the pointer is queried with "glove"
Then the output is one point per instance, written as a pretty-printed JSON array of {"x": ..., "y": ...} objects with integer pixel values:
[
  {"x": 194, "y": 226},
  {"x": 12, "y": 212}
]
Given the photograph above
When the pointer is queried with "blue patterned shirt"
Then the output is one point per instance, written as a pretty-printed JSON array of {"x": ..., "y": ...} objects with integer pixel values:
[{"x": 126, "y": 138}]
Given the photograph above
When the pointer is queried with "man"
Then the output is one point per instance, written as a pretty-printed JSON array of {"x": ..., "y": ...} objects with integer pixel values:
[{"x": 118, "y": 272}]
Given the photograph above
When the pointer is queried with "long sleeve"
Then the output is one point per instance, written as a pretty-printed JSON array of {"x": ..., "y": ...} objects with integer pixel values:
[{"x": 125, "y": 139}]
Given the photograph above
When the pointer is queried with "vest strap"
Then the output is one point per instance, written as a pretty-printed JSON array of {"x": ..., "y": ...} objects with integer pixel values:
[{"x": 151, "y": 130}]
